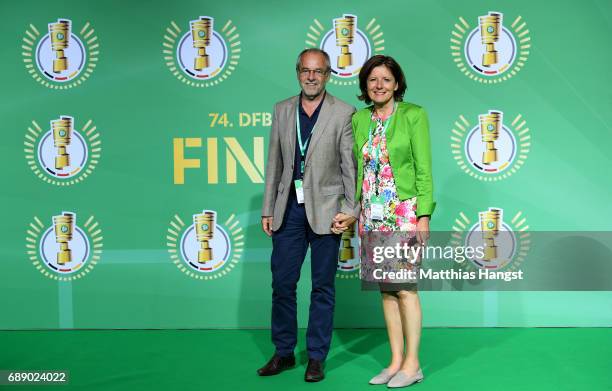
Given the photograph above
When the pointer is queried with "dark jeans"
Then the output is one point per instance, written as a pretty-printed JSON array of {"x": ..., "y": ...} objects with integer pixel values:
[{"x": 290, "y": 243}]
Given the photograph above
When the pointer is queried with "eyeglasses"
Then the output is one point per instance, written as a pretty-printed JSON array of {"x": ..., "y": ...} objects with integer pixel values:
[{"x": 317, "y": 72}]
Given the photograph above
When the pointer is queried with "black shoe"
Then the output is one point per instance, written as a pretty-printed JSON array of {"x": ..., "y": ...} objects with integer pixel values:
[
  {"x": 276, "y": 365},
  {"x": 314, "y": 371}
]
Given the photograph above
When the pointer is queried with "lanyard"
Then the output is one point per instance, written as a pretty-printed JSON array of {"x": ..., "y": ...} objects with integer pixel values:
[
  {"x": 375, "y": 153},
  {"x": 298, "y": 130}
]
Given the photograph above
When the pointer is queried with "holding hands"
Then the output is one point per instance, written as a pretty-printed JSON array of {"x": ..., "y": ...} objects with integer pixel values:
[{"x": 341, "y": 223}]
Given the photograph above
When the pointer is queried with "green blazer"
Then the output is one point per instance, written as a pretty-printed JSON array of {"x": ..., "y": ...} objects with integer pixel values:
[{"x": 409, "y": 153}]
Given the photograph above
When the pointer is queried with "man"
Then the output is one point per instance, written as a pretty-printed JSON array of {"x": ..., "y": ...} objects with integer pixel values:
[{"x": 309, "y": 199}]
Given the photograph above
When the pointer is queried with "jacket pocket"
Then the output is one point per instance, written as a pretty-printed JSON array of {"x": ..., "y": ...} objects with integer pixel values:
[
  {"x": 281, "y": 187},
  {"x": 332, "y": 190}
]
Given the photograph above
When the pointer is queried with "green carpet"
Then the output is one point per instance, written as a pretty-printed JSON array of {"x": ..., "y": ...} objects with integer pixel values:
[{"x": 452, "y": 359}]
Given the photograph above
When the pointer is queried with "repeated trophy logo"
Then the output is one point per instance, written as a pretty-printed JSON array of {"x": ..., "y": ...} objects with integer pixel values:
[
  {"x": 489, "y": 225},
  {"x": 489, "y": 130},
  {"x": 63, "y": 57},
  {"x": 60, "y": 38},
  {"x": 344, "y": 29},
  {"x": 62, "y": 134},
  {"x": 490, "y": 52},
  {"x": 348, "y": 257},
  {"x": 200, "y": 33},
  {"x": 348, "y": 46},
  {"x": 504, "y": 244},
  {"x": 204, "y": 224},
  {"x": 62, "y": 155},
  {"x": 205, "y": 249},
  {"x": 491, "y": 149},
  {"x": 64, "y": 250},
  {"x": 201, "y": 55}
]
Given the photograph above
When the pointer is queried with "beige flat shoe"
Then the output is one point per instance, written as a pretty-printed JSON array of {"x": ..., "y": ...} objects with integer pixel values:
[
  {"x": 402, "y": 380},
  {"x": 382, "y": 378}
]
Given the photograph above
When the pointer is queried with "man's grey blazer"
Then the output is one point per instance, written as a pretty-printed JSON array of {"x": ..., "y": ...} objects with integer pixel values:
[{"x": 330, "y": 169}]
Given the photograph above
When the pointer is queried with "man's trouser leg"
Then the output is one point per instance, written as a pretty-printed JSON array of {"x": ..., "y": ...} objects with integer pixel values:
[
  {"x": 289, "y": 245},
  {"x": 324, "y": 263}
]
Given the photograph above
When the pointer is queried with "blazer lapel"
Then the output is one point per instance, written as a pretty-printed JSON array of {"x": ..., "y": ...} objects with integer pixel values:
[
  {"x": 363, "y": 130},
  {"x": 391, "y": 128},
  {"x": 324, "y": 116},
  {"x": 291, "y": 129}
]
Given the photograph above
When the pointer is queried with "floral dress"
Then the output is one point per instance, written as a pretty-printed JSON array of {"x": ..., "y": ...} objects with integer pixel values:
[{"x": 397, "y": 215}]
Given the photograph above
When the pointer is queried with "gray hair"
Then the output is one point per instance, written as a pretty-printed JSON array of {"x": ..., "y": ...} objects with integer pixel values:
[{"x": 313, "y": 50}]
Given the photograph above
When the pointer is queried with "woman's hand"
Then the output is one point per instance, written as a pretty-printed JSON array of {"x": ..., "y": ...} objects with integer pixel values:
[{"x": 422, "y": 230}]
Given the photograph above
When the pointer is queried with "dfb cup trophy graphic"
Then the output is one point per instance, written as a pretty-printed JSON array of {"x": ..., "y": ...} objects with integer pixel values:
[
  {"x": 490, "y": 52},
  {"x": 202, "y": 56},
  {"x": 489, "y": 129},
  {"x": 491, "y": 150},
  {"x": 62, "y": 155},
  {"x": 205, "y": 249},
  {"x": 205, "y": 228},
  {"x": 489, "y": 225},
  {"x": 347, "y": 45},
  {"x": 64, "y": 227},
  {"x": 200, "y": 33},
  {"x": 62, "y": 58},
  {"x": 345, "y": 33},
  {"x": 504, "y": 244},
  {"x": 60, "y": 38},
  {"x": 64, "y": 250},
  {"x": 348, "y": 256},
  {"x": 489, "y": 33},
  {"x": 62, "y": 133}
]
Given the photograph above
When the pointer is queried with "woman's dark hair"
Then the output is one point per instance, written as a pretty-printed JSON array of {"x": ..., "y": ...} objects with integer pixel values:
[{"x": 395, "y": 69}]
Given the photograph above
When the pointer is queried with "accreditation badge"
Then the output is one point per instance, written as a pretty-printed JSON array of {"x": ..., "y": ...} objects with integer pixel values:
[
  {"x": 299, "y": 191},
  {"x": 377, "y": 206}
]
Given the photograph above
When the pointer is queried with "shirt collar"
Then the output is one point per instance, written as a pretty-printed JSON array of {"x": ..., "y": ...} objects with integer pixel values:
[{"x": 318, "y": 107}]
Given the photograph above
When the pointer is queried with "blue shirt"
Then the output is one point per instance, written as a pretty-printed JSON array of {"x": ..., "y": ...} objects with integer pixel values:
[{"x": 306, "y": 126}]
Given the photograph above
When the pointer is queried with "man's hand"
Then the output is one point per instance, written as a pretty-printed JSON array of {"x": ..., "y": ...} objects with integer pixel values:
[
  {"x": 342, "y": 222},
  {"x": 422, "y": 230},
  {"x": 266, "y": 224}
]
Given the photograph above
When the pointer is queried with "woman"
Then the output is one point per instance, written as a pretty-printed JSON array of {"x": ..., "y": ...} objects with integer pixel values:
[{"x": 394, "y": 186}]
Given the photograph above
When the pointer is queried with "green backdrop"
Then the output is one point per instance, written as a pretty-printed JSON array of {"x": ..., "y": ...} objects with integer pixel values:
[{"x": 139, "y": 107}]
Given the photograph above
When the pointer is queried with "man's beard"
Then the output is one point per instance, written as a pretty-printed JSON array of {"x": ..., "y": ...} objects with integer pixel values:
[{"x": 318, "y": 92}]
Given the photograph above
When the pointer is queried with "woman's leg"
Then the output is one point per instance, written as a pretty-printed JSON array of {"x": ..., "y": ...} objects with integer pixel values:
[
  {"x": 393, "y": 321},
  {"x": 411, "y": 318}
]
